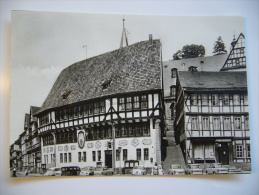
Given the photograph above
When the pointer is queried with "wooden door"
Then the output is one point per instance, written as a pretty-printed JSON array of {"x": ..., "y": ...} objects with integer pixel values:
[{"x": 223, "y": 153}]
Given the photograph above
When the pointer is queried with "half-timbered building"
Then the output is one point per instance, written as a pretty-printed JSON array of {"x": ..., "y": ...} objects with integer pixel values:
[
  {"x": 211, "y": 123},
  {"x": 15, "y": 154},
  {"x": 106, "y": 105},
  {"x": 236, "y": 60}
]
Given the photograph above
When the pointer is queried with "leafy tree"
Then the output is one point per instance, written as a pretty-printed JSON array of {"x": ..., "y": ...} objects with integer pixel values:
[
  {"x": 219, "y": 47},
  {"x": 189, "y": 51},
  {"x": 178, "y": 55}
]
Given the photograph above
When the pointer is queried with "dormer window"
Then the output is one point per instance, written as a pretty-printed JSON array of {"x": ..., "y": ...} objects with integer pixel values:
[
  {"x": 106, "y": 84},
  {"x": 66, "y": 94},
  {"x": 193, "y": 69}
]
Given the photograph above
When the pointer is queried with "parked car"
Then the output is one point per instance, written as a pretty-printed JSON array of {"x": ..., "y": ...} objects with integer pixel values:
[
  {"x": 53, "y": 171},
  {"x": 128, "y": 166},
  {"x": 70, "y": 171},
  {"x": 139, "y": 170},
  {"x": 103, "y": 171},
  {"x": 176, "y": 170},
  {"x": 216, "y": 168},
  {"x": 194, "y": 169},
  {"x": 89, "y": 170},
  {"x": 158, "y": 170}
]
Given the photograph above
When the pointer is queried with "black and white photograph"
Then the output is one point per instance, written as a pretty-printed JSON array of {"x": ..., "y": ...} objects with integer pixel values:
[{"x": 128, "y": 95}]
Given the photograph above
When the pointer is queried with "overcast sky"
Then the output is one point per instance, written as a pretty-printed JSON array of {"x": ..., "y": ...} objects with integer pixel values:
[{"x": 44, "y": 43}]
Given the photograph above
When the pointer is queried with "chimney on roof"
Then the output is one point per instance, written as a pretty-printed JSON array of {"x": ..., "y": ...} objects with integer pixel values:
[
  {"x": 150, "y": 38},
  {"x": 193, "y": 69}
]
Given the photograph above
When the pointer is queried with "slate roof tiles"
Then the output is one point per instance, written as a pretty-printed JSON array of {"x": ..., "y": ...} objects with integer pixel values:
[
  {"x": 213, "y": 80},
  {"x": 129, "y": 69}
]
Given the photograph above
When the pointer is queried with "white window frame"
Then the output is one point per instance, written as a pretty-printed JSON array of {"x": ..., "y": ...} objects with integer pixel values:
[
  {"x": 216, "y": 123},
  {"x": 239, "y": 151},
  {"x": 237, "y": 123},
  {"x": 225, "y": 99},
  {"x": 205, "y": 123},
  {"x": 194, "y": 123},
  {"x": 227, "y": 126}
]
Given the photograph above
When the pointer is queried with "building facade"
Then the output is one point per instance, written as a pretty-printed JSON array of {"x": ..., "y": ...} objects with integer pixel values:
[
  {"x": 104, "y": 108},
  {"x": 29, "y": 144},
  {"x": 212, "y": 117},
  {"x": 15, "y": 155}
]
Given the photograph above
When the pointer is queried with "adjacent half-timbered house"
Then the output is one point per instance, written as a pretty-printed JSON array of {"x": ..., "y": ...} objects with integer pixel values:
[
  {"x": 212, "y": 117},
  {"x": 33, "y": 142},
  {"x": 119, "y": 91},
  {"x": 15, "y": 154},
  {"x": 236, "y": 60}
]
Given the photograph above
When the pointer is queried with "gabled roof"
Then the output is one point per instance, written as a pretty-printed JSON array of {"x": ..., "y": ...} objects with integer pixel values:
[
  {"x": 129, "y": 69},
  {"x": 237, "y": 56},
  {"x": 26, "y": 120},
  {"x": 210, "y": 63},
  {"x": 34, "y": 109},
  {"x": 212, "y": 80}
]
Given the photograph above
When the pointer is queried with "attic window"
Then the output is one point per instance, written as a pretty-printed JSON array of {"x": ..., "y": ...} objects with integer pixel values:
[
  {"x": 66, "y": 94},
  {"x": 193, "y": 69},
  {"x": 106, "y": 84}
]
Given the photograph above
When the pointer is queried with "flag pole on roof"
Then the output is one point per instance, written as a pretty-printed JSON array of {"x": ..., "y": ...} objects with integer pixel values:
[{"x": 124, "y": 35}]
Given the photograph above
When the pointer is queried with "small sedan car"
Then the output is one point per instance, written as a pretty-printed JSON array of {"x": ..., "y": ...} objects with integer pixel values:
[
  {"x": 54, "y": 171},
  {"x": 89, "y": 170},
  {"x": 103, "y": 171},
  {"x": 216, "y": 168},
  {"x": 139, "y": 170},
  {"x": 194, "y": 169},
  {"x": 176, "y": 170}
]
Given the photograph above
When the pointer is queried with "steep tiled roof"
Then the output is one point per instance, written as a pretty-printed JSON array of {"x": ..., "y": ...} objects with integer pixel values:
[
  {"x": 210, "y": 63},
  {"x": 129, "y": 69},
  {"x": 34, "y": 109},
  {"x": 212, "y": 80}
]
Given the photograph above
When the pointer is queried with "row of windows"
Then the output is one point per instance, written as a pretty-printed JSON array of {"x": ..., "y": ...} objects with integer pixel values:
[
  {"x": 134, "y": 102},
  {"x": 48, "y": 140},
  {"x": 79, "y": 111},
  {"x": 216, "y": 98},
  {"x": 65, "y": 157},
  {"x": 217, "y": 124},
  {"x": 207, "y": 151},
  {"x": 101, "y": 132},
  {"x": 121, "y": 130},
  {"x": 66, "y": 137},
  {"x": 96, "y": 155},
  {"x": 124, "y": 103}
]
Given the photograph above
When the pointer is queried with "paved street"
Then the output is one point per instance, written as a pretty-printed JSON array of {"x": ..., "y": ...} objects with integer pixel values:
[{"x": 22, "y": 174}]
